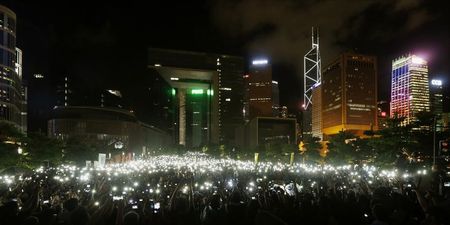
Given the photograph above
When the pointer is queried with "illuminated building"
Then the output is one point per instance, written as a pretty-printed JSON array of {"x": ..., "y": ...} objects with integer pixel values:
[
  {"x": 229, "y": 70},
  {"x": 409, "y": 88},
  {"x": 12, "y": 93},
  {"x": 349, "y": 94},
  {"x": 437, "y": 96},
  {"x": 219, "y": 81},
  {"x": 437, "y": 102},
  {"x": 260, "y": 89},
  {"x": 317, "y": 112},
  {"x": 312, "y": 69},
  {"x": 383, "y": 117},
  {"x": 276, "y": 109}
]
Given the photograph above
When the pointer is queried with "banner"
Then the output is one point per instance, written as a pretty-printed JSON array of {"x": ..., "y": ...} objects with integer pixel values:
[
  {"x": 101, "y": 159},
  {"x": 256, "y": 157}
]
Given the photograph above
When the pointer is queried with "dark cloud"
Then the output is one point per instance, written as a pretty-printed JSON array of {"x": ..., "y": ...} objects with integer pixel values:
[{"x": 341, "y": 22}]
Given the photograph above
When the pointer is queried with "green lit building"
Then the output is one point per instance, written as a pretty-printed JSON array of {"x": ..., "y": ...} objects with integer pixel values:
[
  {"x": 194, "y": 107},
  {"x": 205, "y": 97}
]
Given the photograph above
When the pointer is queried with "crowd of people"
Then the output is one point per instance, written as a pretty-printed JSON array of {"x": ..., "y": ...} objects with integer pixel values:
[{"x": 197, "y": 189}]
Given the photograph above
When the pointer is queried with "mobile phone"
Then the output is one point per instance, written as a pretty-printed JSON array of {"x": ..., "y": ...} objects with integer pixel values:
[
  {"x": 116, "y": 198},
  {"x": 46, "y": 201},
  {"x": 134, "y": 207}
]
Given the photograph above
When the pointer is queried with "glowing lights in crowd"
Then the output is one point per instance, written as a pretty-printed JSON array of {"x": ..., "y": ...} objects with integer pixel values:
[
  {"x": 260, "y": 62},
  {"x": 202, "y": 173}
]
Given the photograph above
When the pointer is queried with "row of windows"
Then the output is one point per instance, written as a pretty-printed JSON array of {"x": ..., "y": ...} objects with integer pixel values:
[
  {"x": 7, "y": 22},
  {"x": 7, "y": 40},
  {"x": 7, "y": 58}
]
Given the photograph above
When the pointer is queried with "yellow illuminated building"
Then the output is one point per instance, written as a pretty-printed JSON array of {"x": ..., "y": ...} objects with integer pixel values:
[{"x": 349, "y": 95}]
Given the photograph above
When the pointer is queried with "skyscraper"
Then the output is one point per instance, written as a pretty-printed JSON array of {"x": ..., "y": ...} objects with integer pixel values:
[
  {"x": 316, "y": 110},
  {"x": 312, "y": 69},
  {"x": 276, "y": 108},
  {"x": 260, "y": 89},
  {"x": 436, "y": 96},
  {"x": 12, "y": 92},
  {"x": 410, "y": 91},
  {"x": 349, "y": 94},
  {"x": 228, "y": 70}
]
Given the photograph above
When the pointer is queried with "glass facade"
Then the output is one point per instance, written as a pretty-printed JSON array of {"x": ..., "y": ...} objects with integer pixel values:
[
  {"x": 410, "y": 92},
  {"x": 12, "y": 94},
  {"x": 230, "y": 70}
]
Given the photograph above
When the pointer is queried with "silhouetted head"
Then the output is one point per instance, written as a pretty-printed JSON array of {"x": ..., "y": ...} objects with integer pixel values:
[{"x": 131, "y": 218}]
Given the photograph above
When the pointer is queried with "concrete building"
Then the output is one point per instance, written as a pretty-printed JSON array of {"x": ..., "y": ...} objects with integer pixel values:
[
  {"x": 263, "y": 132},
  {"x": 349, "y": 94},
  {"x": 105, "y": 126},
  {"x": 220, "y": 77},
  {"x": 410, "y": 92},
  {"x": 12, "y": 91}
]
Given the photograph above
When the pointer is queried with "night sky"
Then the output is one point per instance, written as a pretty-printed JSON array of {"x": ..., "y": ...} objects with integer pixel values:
[{"x": 106, "y": 44}]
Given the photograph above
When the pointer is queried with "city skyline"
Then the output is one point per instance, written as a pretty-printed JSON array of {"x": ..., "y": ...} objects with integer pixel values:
[{"x": 91, "y": 48}]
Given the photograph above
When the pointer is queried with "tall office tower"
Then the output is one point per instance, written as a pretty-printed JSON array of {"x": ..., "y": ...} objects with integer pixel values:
[
  {"x": 260, "y": 95},
  {"x": 23, "y": 92},
  {"x": 201, "y": 70},
  {"x": 349, "y": 94},
  {"x": 317, "y": 112},
  {"x": 410, "y": 91},
  {"x": 312, "y": 70},
  {"x": 436, "y": 97},
  {"x": 12, "y": 93},
  {"x": 437, "y": 102},
  {"x": 276, "y": 108}
]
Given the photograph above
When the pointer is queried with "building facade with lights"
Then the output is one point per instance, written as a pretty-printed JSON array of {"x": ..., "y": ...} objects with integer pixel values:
[
  {"x": 216, "y": 77},
  {"x": 349, "y": 95},
  {"x": 437, "y": 97},
  {"x": 262, "y": 93},
  {"x": 12, "y": 91},
  {"x": 437, "y": 102},
  {"x": 410, "y": 92},
  {"x": 316, "y": 109}
]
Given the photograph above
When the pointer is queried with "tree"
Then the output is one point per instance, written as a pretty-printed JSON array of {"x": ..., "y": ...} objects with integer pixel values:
[
  {"x": 312, "y": 147},
  {"x": 42, "y": 148},
  {"x": 10, "y": 140},
  {"x": 342, "y": 148},
  {"x": 78, "y": 149}
]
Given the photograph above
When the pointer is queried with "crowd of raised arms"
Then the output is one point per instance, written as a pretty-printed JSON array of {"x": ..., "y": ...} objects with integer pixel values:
[{"x": 197, "y": 189}]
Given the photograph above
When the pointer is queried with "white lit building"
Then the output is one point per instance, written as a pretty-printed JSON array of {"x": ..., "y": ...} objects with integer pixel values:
[{"x": 410, "y": 91}]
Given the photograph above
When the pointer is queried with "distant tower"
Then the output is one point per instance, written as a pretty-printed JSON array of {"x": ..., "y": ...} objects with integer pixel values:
[
  {"x": 311, "y": 69},
  {"x": 311, "y": 79}
]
